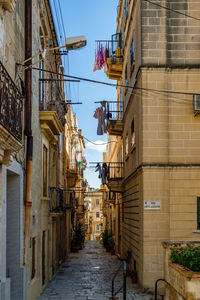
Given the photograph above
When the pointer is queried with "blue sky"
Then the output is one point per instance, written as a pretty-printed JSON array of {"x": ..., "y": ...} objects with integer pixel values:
[{"x": 97, "y": 21}]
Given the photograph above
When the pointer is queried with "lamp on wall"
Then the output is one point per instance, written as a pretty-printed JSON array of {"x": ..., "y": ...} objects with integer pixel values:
[{"x": 71, "y": 43}]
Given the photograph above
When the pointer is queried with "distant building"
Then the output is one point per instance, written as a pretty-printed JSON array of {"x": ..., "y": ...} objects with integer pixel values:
[{"x": 94, "y": 216}]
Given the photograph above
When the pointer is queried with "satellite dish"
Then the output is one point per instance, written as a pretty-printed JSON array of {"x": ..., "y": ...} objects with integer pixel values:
[{"x": 75, "y": 42}]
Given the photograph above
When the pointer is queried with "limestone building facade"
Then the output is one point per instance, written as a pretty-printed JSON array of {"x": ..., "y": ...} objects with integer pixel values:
[
  {"x": 35, "y": 235},
  {"x": 158, "y": 70},
  {"x": 12, "y": 270}
]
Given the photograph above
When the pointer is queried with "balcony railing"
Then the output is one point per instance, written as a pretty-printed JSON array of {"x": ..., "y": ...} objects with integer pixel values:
[
  {"x": 110, "y": 55},
  {"x": 114, "y": 110},
  {"x": 56, "y": 204},
  {"x": 11, "y": 105},
  {"x": 115, "y": 118},
  {"x": 51, "y": 98},
  {"x": 84, "y": 183},
  {"x": 115, "y": 171},
  {"x": 73, "y": 165}
]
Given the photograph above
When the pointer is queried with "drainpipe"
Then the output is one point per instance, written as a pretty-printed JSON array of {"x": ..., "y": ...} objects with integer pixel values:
[{"x": 28, "y": 126}]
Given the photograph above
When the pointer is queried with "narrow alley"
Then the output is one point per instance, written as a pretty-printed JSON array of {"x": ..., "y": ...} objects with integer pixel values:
[{"x": 87, "y": 275}]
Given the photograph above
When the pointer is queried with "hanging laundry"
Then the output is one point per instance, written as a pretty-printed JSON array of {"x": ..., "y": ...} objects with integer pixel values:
[
  {"x": 101, "y": 55},
  {"x": 99, "y": 115},
  {"x": 95, "y": 62},
  {"x": 98, "y": 168},
  {"x": 103, "y": 179},
  {"x": 103, "y": 105}
]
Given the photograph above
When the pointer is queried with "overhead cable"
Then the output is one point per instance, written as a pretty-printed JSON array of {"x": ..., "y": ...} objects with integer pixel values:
[
  {"x": 113, "y": 84},
  {"x": 173, "y": 10}
]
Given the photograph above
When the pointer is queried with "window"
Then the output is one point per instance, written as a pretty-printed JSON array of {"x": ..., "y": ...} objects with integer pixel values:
[
  {"x": 126, "y": 79},
  {"x": 97, "y": 201},
  {"x": 125, "y": 8},
  {"x": 198, "y": 213},
  {"x": 42, "y": 85},
  {"x": 33, "y": 240},
  {"x": 126, "y": 144},
  {"x": 45, "y": 171},
  {"x": 97, "y": 214},
  {"x": 41, "y": 66},
  {"x": 121, "y": 103},
  {"x": 132, "y": 54},
  {"x": 97, "y": 227},
  {"x": 133, "y": 133},
  {"x": 61, "y": 142}
]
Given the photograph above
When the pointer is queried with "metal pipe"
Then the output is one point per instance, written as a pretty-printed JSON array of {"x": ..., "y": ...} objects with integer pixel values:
[{"x": 28, "y": 125}]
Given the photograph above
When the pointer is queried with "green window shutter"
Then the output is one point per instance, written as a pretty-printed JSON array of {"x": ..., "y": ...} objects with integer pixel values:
[{"x": 198, "y": 212}]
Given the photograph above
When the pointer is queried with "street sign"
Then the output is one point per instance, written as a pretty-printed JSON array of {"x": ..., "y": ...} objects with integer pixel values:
[{"x": 152, "y": 205}]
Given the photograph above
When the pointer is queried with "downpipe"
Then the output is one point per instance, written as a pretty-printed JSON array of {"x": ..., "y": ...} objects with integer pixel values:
[{"x": 28, "y": 127}]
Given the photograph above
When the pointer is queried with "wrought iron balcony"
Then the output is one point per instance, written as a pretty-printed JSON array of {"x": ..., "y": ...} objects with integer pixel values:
[
  {"x": 11, "y": 105},
  {"x": 115, "y": 176},
  {"x": 72, "y": 172},
  {"x": 114, "y": 63},
  {"x": 51, "y": 95},
  {"x": 56, "y": 203},
  {"x": 115, "y": 116}
]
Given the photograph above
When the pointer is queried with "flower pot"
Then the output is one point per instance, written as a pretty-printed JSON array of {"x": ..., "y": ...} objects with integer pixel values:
[
  {"x": 51, "y": 107},
  {"x": 112, "y": 251},
  {"x": 75, "y": 250},
  {"x": 108, "y": 249},
  {"x": 134, "y": 280}
]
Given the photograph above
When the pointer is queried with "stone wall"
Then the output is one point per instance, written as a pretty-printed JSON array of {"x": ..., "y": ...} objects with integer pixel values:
[
  {"x": 181, "y": 283},
  {"x": 170, "y": 38}
]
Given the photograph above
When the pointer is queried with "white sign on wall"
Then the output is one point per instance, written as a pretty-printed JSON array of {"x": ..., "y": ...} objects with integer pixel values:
[{"x": 152, "y": 205}]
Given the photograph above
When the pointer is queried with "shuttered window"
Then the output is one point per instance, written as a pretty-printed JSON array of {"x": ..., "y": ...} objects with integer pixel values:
[{"x": 198, "y": 212}]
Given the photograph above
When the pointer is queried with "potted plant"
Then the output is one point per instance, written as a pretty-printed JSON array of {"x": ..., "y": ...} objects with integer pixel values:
[
  {"x": 79, "y": 238},
  {"x": 111, "y": 244},
  {"x": 133, "y": 275},
  {"x": 74, "y": 246},
  {"x": 105, "y": 238},
  {"x": 52, "y": 106}
]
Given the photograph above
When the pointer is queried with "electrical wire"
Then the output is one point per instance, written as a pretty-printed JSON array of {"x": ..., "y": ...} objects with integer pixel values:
[
  {"x": 94, "y": 142},
  {"x": 173, "y": 10},
  {"x": 99, "y": 144},
  {"x": 66, "y": 64},
  {"x": 115, "y": 85},
  {"x": 57, "y": 21}
]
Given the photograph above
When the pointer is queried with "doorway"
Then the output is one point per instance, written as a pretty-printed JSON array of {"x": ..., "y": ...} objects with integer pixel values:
[{"x": 14, "y": 236}]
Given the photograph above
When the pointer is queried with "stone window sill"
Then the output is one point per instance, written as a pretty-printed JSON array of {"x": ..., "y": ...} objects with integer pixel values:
[{"x": 197, "y": 231}]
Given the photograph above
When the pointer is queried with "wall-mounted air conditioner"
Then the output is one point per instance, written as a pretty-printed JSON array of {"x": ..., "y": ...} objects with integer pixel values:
[{"x": 196, "y": 103}]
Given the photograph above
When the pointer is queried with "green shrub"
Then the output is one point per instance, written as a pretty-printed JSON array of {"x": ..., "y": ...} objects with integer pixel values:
[
  {"x": 79, "y": 237},
  {"x": 188, "y": 257},
  {"x": 105, "y": 237},
  {"x": 111, "y": 242}
]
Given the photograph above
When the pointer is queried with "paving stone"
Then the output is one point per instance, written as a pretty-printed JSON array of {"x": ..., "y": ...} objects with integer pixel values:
[{"x": 87, "y": 275}]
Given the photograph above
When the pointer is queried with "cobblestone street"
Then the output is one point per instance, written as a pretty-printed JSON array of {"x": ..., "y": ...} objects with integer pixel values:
[{"x": 87, "y": 275}]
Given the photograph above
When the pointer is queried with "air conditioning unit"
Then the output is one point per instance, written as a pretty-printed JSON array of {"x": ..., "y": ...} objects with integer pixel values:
[{"x": 196, "y": 103}]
